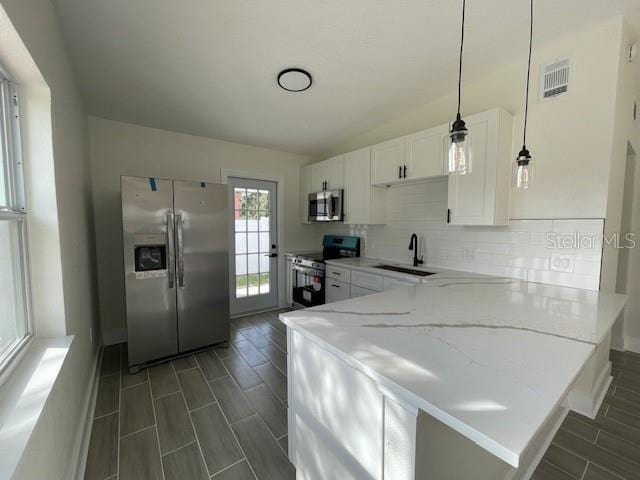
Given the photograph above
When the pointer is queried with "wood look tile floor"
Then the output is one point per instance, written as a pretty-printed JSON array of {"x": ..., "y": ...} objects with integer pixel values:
[
  {"x": 221, "y": 415},
  {"x": 218, "y": 414},
  {"x": 607, "y": 447}
]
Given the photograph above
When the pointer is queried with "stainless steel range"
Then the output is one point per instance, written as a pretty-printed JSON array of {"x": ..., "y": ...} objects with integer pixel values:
[{"x": 308, "y": 270}]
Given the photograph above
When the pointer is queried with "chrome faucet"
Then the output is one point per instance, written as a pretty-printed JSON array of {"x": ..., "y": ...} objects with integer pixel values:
[{"x": 413, "y": 245}]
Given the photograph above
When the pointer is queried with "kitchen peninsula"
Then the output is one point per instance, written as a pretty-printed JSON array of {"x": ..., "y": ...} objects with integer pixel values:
[{"x": 464, "y": 376}]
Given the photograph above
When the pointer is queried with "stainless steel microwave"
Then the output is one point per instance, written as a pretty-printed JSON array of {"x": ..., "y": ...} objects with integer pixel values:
[{"x": 326, "y": 206}]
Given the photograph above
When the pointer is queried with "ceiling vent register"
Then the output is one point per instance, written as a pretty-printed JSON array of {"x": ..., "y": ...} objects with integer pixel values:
[{"x": 555, "y": 79}]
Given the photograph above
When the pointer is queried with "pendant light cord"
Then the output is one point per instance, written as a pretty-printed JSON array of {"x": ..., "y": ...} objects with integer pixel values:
[
  {"x": 526, "y": 103},
  {"x": 464, "y": 4}
]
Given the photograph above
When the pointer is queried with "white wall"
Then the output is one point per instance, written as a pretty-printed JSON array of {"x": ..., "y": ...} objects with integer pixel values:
[
  {"x": 626, "y": 136},
  {"x": 570, "y": 137},
  {"x": 61, "y": 230},
  {"x": 124, "y": 149}
]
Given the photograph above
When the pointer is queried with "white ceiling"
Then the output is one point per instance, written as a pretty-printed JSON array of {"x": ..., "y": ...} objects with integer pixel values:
[{"x": 208, "y": 67}]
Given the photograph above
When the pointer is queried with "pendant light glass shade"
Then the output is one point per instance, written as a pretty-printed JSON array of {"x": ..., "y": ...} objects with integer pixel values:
[
  {"x": 523, "y": 175},
  {"x": 460, "y": 148}
]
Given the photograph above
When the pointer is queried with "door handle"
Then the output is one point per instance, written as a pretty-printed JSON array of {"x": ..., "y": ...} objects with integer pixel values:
[
  {"x": 271, "y": 255},
  {"x": 180, "y": 251},
  {"x": 171, "y": 250}
]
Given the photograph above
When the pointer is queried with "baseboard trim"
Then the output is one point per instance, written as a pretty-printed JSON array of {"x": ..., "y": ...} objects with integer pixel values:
[
  {"x": 114, "y": 337},
  {"x": 632, "y": 344},
  {"x": 79, "y": 456},
  {"x": 254, "y": 312}
]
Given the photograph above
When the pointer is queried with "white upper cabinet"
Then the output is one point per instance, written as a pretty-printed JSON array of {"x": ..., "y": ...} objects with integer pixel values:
[
  {"x": 387, "y": 162},
  {"x": 305, "y": 190},
  {"x": 318, "y": 177},
  {"x": 334, "y": 171},
  {"x": 481, "y": 197},
  {"x": 364, "y": 204},
  {"x": 411, "y": 158},
  {"x": 423, "y": 153},
  {"x": 328, "y": 174}
]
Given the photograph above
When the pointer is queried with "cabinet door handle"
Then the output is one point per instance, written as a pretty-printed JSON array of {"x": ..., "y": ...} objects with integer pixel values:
[
  {"x": 448, "y": 215},
  {"x": 399, "y": 171},
  {"x": 405, "y": 171}
]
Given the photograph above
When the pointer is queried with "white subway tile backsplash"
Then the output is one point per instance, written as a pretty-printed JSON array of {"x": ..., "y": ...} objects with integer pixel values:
[
  {"x": 530, "y": 225},
  {"x": 578, "y": 226},
  {"x": 556, "y": 252},
  {"x": 521, "y": 262},
  {"x": 482, "y": 247}
]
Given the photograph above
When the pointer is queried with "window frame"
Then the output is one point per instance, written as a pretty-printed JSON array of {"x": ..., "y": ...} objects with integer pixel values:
[{"x": 15, "y": 211}]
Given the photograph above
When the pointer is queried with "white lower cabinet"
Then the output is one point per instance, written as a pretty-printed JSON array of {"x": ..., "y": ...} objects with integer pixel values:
[
  {"x": 336, "y": 291},
  {"x": 343, "y": 283},
  {"x": 367, "y": 280},
  {"x": 360, "y": 292},
  {"x": 393, "y": 284},
  {"x": 342, "y": 275}
]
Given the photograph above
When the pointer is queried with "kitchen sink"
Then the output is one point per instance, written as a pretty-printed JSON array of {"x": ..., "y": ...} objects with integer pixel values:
[{"x": 410, "y": 271}]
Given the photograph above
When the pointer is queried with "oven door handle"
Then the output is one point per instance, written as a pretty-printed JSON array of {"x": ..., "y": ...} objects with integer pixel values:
[{"x": 308, "y": 270}]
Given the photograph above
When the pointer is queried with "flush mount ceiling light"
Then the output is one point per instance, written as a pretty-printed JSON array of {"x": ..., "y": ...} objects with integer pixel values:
[{"x": 294, "y": 80}]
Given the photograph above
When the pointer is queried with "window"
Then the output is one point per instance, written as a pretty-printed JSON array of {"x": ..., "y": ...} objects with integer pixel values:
[
  {"x": 252, "y": 241},
  {"x": 14, "y": 295}
]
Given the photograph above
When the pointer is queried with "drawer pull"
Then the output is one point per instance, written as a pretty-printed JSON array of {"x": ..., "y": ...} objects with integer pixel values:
[{"x": 334, "y": 285}]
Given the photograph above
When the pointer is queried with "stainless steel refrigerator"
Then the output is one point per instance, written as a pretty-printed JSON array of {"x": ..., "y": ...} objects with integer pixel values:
[{"x": 176, "y": 265}]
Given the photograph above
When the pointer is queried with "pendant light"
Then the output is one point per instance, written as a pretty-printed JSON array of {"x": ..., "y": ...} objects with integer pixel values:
[
  {"x": 460, "y": 148},
  {"x": 523, "y": 174}
]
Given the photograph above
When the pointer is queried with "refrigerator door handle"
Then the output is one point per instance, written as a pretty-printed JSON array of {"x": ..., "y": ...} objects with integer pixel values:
[
  {"x": 171, "y": 250},
  {"x": 180, "y": 251}
]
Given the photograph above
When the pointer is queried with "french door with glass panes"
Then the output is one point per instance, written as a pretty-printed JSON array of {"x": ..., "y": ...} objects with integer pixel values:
[{"x": 254, "y": 246}]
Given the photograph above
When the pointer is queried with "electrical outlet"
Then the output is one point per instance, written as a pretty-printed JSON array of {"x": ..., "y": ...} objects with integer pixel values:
[
  {"x": 561, "y": 262},
  {"x": 469, "y": 254}
]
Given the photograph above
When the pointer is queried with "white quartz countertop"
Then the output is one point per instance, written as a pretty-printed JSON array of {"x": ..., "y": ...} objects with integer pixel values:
[
  {"x": 490, "y": 357},
  {"x": 368, "y": 265}
]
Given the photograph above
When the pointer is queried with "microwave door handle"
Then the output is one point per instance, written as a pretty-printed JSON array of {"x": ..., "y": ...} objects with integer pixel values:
[
  {"x": 171, "y": 250},
  {"x": 331, "y": 210},
  {"x": 336, "y": 207}
]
